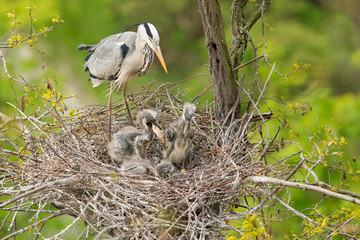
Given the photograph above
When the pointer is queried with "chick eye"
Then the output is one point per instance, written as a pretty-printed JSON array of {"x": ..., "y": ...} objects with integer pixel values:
[
  {"x": 191, "y": 134},
  {"x": 169, "y": 134}
]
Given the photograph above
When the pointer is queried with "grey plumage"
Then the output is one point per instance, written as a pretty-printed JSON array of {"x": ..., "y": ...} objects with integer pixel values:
[
  {"x": 131, "y": 142},
  {"x": 178, "y": 137},
  {"x": 123, "y": 56},
  {"x": 139, "y": 166},
  {"x": 165, "y": 168}
]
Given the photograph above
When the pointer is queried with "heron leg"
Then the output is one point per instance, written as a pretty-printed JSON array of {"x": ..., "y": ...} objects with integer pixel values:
[
  {"x": 123, "y": 93},
  {"x": 109, "y": 112}
]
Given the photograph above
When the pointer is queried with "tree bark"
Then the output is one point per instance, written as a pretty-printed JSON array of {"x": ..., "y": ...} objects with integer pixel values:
[
  {"x": 225, "y": 86},
  {"x": 222, "y": 62}
]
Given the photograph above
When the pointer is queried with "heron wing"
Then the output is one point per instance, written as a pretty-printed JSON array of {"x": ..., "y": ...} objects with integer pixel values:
[{"x": 105, "y": 58}]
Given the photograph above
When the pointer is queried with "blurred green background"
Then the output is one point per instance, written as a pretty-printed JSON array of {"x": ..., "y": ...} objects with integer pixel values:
[{"x": 323, "y": 33}]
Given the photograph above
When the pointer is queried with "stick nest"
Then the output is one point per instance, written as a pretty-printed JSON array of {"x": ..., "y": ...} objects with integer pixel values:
[{"x": 64, "y": 161}]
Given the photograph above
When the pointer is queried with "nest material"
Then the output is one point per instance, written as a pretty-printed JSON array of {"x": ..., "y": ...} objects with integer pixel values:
[{"x": 67, "y": 163}]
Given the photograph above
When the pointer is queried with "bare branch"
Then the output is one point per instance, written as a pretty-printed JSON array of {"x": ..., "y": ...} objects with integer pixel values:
[{"x": 270, "y": 180}]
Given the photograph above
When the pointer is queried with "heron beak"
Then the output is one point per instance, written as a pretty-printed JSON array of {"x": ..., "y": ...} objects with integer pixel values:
[
  {"x": 186, "y": 128},
  {"x": 157, "y": 50},
  {"x": 158, "y": 132}
]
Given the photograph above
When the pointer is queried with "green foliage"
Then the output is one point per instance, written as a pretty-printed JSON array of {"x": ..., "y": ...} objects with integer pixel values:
[
  {"x": 316, "y": 44},
  {"x": 17, "y": 36},
  {"x": 251, "y": 228}
]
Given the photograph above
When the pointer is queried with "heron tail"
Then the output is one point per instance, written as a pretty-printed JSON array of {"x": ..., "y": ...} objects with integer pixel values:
[{"x": 84, "y": 47}]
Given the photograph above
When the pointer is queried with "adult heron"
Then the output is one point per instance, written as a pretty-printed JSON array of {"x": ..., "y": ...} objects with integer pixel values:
[{"x": 122, "y": 57}]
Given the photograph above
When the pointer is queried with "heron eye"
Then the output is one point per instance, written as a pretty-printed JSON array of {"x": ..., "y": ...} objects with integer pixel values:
[{"x": 149, "y": 124}]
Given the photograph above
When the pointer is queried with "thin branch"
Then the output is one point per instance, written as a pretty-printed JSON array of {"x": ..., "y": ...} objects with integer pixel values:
[
  {"x": 6, "y": 70},
  {"x": 271, "y": 180},
  {"x": 247, "y": 63},
  {"x": 37, "y": 189},
  {"x": 255, "y": 17},
  {"x": 63, "y": 231},
  {"x": 296, "y": 212},
  {"x": 42, "y": 221}
]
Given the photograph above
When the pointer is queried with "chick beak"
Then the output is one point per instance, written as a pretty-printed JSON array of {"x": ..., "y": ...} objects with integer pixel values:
[
  {"x": 186, "y": 128},
  {"x": 158, "y": 132}
]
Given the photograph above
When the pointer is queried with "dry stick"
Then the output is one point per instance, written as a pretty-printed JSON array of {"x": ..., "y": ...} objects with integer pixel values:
[
  {"x": 177, "y": 83},
  {"x": 187, "y": 79},
  {"x": 6, "y": 71},
  {"x": 270, "y": 180},
  {"x": 5, "y": 220},
  {"x": 278, "y": 188},
  {"x": 338, "y": 228},
  {"x": 295, "y": 211},
  {"x": 65, "y": 229},
  {"x": 25, "y": 116},
  {"x": 310, "y": 220},
  {"x": 61, "y": 181},
  {"x": 339, "y": 190},
  {"x": 44, "y": 220},
  {"x": 202, "y": 92},
  {"x": 176, "y": 221},
  {"x": 247, "y": 63}
]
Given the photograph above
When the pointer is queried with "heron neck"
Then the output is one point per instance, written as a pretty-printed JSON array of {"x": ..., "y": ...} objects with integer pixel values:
[
  {"x": 147, "y": 135},
  {"x": 140, "y": 43}
]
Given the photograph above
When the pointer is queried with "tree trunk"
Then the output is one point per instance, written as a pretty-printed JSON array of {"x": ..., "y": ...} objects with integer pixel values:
[
  {"x": 222, "y": 62},
  {"x": 224, "y": 78}
]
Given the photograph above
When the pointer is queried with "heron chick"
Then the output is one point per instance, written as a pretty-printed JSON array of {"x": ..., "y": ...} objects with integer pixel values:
[
  {"x": 178, "y": 137},
  {"x": 122, "y": 57},
  {"x": 139, "y": 166},
  {"x": 131, "y": 142}
]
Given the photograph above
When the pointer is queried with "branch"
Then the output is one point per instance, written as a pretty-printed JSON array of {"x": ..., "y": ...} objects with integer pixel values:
[
  {"x": 255, "y": 17},
  {"x": 62, "y": 232},
  {"x": 296, "y": 212},
  {"x": 253, "y": 60},
  {"x": 240, "y": 28},
  {"x": 270, "y": 180},
  {"x": 239, "y": 39},
  {"x": 303, "y": 216},
  {"x": 6, "y": 70},
  {"x": 37, "y": 189},
  {"x": 40, "y": 222}
]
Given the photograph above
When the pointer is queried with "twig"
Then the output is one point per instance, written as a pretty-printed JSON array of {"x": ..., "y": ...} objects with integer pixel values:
[
  {"x": 247, "y": 63},
  {"x": 42, "y": 221},
  {"x": 6, "y": 70},
  {"x": 271, "y": 180},
  {"x": 65, "y": 229},
  {"x": 201, "y": 93},
  {"x": 37, "y": 189}
]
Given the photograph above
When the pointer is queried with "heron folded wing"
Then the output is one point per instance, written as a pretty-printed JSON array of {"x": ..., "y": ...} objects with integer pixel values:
[{"x": 106, "y": 57}]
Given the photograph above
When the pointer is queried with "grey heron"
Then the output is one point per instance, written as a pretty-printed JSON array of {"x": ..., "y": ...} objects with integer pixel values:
[
  {"x": 178, "y": 137},
  {"x": 122, "y": 57},
  {"x": 130, "y": 142}
]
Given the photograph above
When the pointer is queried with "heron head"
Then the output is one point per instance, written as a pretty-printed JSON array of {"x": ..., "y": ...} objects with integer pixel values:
[
  {"x": 151, "y": 37},
  {"x": 147, "y": 120},
  {"x": 188, "y": 113}
]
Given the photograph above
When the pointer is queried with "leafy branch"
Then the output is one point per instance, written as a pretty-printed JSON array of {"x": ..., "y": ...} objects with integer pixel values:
[{"x": 15, "y": 37}]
